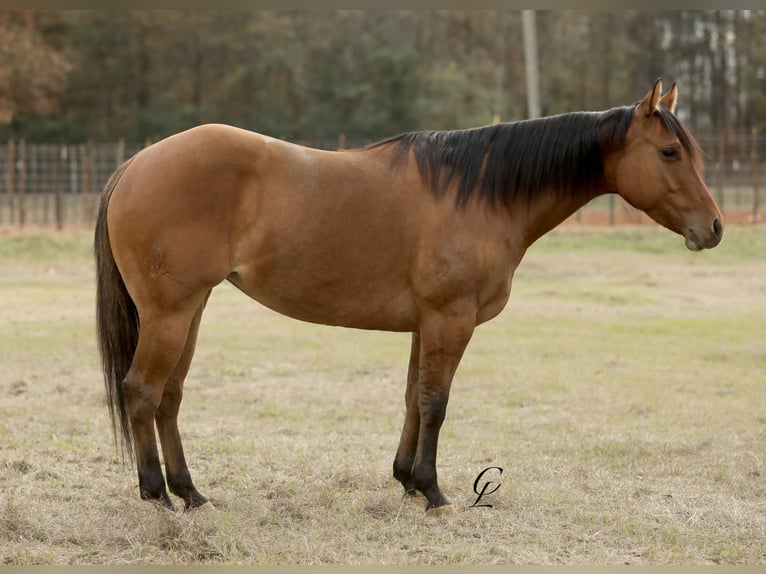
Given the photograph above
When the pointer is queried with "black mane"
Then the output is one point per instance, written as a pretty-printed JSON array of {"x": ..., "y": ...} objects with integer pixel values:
[{"x": 514, "y": 160}]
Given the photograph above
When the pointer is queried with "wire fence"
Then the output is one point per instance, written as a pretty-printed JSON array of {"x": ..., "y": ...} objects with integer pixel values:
[
  {"x": 55, "y": 184},
  {"x": 60, "y": 185}
]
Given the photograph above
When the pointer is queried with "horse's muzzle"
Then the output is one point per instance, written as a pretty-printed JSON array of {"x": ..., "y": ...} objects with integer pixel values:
[{"x": 705, "y": 240}]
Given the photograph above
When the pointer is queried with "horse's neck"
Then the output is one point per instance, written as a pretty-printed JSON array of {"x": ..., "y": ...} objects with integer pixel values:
[{"x": 548, "y": 209}]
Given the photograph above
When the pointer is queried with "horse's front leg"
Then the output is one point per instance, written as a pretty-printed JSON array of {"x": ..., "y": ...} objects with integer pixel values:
[
  {"x": 408, "y": 443},
  {"x": 443, "y": 338}
]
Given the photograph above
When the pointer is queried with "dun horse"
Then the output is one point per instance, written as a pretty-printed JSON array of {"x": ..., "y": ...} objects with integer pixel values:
[{"x": 420, "y": 233}]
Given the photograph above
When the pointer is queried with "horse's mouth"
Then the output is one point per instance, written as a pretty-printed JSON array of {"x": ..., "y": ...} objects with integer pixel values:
[{"x": 693, "y": 242}]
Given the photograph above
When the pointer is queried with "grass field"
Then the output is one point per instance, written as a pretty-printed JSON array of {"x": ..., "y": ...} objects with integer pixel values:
[{"x": 622, "y": 392}]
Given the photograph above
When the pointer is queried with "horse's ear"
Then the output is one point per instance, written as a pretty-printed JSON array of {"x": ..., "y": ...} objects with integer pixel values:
[
  {"x": 651, "y": 102},
  {"x": 671, "y": 98}
]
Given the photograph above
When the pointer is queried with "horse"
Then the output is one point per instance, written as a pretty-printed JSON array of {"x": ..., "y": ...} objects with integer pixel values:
[{"x": 420, "y": 233}]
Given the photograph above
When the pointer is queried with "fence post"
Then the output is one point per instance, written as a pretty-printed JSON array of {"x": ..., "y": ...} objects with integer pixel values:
[
  {"x": 74, "y": 181},
  {"x": 720, "y": 168},
  {"x": 93, "y": 196},
  {"x": 9, "y": 180},
  {"x": 38, "y": 163},
  {"x": 85, "y": 173},
  {"x": 21, "y": 164},
  {"x": 754, "y": 171},
  {"x": 60, "y": 157},
  {"x": 82, "y": 187}
]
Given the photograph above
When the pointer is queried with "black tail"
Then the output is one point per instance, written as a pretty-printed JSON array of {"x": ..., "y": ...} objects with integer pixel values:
[{"x": 116, "y": 321}]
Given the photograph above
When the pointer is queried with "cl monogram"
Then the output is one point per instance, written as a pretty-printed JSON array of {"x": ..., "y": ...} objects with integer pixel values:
[{"x": 484, "y": 488}]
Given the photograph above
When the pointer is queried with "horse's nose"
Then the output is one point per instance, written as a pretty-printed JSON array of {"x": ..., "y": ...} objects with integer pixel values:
[{"x": 717, "y": 229}]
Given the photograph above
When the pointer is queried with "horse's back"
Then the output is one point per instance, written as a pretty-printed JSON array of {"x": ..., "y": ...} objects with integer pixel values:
[{"x": 321, "y": 236}]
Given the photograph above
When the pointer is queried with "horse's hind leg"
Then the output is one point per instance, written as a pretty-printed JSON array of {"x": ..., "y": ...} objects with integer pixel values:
[
  {"x": 408, "y": 443},
  {"x": 178, "y": 476},
  {"x": 161, "y": 342}
]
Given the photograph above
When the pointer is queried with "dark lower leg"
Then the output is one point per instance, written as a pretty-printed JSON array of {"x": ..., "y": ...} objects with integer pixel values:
[
  {"x": 424, "y": 470},
  {"x": 160, "y": 346},
  {"x": 405, "y": 454},
  {"x": 444, "y": 336},
  {"x": 179, "y": 478},
  {"x": 151, "y": 482}
]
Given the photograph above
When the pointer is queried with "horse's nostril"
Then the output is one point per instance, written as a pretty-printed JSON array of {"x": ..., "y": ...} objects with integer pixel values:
[{"x": 717, "y": 229}]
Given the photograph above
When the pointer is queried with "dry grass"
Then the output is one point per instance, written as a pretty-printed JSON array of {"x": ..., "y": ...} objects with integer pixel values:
[{"x": 621, "y": 391}]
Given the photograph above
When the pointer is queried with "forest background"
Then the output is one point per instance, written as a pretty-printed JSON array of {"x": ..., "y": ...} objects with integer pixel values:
[{"x": 312, "y": 75}]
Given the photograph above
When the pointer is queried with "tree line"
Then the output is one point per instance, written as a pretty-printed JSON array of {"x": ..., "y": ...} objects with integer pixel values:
[{"x": 309, "y": 76}]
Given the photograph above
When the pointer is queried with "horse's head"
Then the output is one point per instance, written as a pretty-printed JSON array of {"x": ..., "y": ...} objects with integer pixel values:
[{"x": 659, "y": 171}]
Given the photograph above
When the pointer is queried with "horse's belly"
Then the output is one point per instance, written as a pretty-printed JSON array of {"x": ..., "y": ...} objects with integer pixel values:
[{"x": 376, "y": 305}]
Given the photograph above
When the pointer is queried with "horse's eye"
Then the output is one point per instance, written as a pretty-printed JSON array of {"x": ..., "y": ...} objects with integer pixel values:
[{"x": 670, "y": 153}]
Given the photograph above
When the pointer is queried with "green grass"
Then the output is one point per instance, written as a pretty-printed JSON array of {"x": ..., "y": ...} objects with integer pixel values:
[{"x": 621, "y": 391}]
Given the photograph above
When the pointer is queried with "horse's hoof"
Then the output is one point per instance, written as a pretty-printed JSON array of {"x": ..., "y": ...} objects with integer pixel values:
[{"x": 441, "y": 511}]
